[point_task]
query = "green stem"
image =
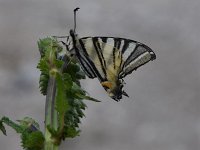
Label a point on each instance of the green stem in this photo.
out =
(51, 116)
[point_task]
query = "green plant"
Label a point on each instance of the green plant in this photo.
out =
(60, 83)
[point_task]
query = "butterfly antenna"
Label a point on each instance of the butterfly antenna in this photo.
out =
(75, 10)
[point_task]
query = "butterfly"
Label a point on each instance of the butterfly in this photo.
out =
(109, 59)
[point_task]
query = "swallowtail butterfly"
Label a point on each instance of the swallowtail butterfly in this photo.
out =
(109, 59)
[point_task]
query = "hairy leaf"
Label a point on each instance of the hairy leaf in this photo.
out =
(32, 140)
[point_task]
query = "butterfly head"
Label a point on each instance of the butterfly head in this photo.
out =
(74, 37)
(114, 89)
(72, 34)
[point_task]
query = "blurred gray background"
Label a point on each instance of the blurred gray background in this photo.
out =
(162, 112)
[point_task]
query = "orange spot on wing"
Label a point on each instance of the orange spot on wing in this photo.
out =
(107, 84)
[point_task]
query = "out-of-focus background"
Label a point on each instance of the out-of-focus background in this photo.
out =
(163, 111)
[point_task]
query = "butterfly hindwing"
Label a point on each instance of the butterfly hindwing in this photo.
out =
(135, 55)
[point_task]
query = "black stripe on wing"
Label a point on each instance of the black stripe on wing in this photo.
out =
(117, 44)
(89, 65)
(126, 45)
(98, 49)
(86, 66)
(141, 55)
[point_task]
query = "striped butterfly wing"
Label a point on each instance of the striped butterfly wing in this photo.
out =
(105, 59)
(113, 57)
(135, 54)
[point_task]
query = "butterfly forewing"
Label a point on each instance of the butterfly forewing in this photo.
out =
(104, 54)
(93, 54)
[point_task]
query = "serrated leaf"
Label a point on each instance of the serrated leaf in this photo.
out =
(46, 43)
(16, 127)
(44, 76)
(87, 97)
(73, 67)
(73, 70)
(33, 140)
(43, 66)
(67, 81)
(58, 63)
(80, 75)
(80, 104)
(77, 89)
(42, 44)
(43, 83)
(71, 132)
(2, 128)
(80, 113)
